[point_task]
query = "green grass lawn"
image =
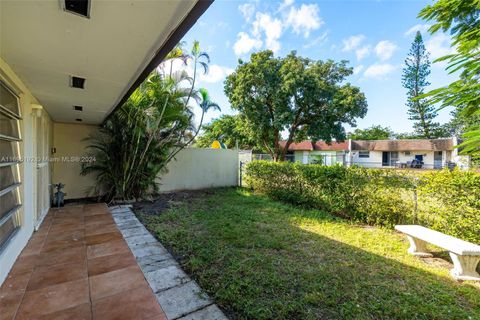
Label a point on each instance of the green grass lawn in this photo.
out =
(262, 259)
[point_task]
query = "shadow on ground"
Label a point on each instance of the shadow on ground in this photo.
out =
(261, 259)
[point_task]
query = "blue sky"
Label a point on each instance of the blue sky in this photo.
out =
(375, 36)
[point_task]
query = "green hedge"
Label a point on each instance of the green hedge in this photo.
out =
(448, 201)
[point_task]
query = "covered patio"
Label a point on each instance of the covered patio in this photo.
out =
(78, 266)
(65, 66)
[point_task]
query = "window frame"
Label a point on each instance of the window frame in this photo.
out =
(364, 154)
(11, 214)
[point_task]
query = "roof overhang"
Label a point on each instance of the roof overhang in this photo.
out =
(114, 49)
(403, 145)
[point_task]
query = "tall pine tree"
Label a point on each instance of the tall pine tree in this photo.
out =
(414, 79)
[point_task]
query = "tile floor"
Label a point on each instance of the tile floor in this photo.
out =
(78, 266)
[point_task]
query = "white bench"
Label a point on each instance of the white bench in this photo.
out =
(465, 255)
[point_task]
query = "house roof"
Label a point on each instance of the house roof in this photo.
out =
(333, 146)
(308, 145)
(403, 145)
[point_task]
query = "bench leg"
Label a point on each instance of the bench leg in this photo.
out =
(464, 267)
(418, 247)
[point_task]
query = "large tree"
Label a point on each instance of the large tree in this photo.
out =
(298, 96)
(231, 130)
(414, 79)
(462, 20)
(372, 133)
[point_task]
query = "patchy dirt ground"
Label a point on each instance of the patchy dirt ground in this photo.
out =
(164, 201)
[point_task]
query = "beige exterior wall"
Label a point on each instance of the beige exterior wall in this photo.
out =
(200, 168)
(68, 141)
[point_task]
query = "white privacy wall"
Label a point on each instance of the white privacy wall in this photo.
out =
(195, 168)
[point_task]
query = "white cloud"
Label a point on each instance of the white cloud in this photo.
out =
(245, 43)
(379, 70)
(439, 46)
(271, 27)
(285, 4)
(362, 52)
(304, 19)
(423, 28)
(353, 42)
(247, 10)
(317, 41)
(215, 73)
(385, 49)
(358, 69)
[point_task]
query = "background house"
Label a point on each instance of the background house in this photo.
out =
(434, 153)
(318, 152)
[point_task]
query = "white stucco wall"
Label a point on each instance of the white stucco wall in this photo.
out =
(196, 168)
(375, 159)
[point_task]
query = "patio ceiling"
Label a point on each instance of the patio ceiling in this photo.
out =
(114, 49)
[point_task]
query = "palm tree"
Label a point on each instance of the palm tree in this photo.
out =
(200, 58)
(206, 104)
(135, 144)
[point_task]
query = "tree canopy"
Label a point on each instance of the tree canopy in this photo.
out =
(462, 20)
(231, 130)
(414, 79)
(302, 97)
(375, 132)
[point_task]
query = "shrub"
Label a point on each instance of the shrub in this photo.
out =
(448, 201)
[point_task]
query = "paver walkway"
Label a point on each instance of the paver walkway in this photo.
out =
(77, 266)
(179, 296)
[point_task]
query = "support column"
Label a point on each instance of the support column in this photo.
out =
(464, 267)
(418, 247)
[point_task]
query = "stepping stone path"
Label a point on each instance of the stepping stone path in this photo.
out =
(179, 296)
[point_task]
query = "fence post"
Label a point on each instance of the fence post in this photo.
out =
(241, 173)
(415, 200)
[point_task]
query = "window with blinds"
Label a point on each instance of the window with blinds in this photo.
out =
(9, 161)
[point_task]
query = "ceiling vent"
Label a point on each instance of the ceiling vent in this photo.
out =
(80, 7)
(78, 108)
(77, 82)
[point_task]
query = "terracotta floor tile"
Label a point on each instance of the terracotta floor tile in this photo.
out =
(80, 312)
(102, 238)
(55, 274)
(110, 283)
(24, 264)
(32, 248)
(99, 224)
(9, 305)
(75, 254)
(38, 237)
(75, 234)
(15, 284)
(110, 263)
(67, 221)
(50, 279)
(93, 230)
(66, 227)
(96, 208)
(62, 244)
(135, 304)
(107, 248)
(54, 298)
(99, 218)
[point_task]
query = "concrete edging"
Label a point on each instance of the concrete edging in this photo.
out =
(179, 296)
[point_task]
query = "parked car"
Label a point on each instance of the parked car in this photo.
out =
(415, 163)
